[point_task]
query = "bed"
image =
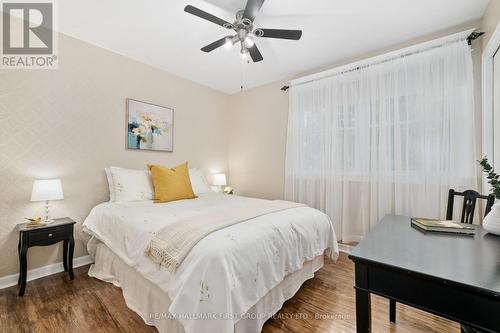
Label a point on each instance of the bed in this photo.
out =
(233, 280)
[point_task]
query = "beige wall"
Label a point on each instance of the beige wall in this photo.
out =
(70, 123)
(490, 20)
(257, 139)
(258, 124)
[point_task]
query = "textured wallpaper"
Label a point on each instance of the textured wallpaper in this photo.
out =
(70, 123)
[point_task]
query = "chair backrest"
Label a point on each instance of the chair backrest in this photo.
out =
(470, 198)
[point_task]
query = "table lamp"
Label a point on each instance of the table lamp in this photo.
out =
(47, 190)
(219, 180)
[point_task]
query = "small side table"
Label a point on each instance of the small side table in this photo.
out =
(59, 230)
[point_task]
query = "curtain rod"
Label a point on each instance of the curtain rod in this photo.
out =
(471, 37)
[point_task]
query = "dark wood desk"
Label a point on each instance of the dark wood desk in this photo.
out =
(453, 276)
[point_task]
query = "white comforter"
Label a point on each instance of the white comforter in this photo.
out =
(228, 271)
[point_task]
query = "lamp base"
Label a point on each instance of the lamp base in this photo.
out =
(216, 188)
(47, 221)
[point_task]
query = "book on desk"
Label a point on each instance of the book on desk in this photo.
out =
(443, 226)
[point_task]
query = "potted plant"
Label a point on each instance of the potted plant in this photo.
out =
(491, 222)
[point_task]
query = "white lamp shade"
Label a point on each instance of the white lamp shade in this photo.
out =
(47, 189)
(219, 179)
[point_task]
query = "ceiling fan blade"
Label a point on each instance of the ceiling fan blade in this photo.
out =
(255, 53)
(252, 8)
(206, 16)
(279, 33)
(214, 45)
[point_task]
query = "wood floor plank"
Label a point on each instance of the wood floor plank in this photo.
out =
(323, 304)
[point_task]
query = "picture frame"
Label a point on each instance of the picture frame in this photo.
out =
(150, 127)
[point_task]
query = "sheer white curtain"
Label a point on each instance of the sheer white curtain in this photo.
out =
(389, 138)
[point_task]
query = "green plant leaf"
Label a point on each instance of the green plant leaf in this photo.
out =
(492, 176)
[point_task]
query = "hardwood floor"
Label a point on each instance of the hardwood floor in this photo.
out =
(323, 304)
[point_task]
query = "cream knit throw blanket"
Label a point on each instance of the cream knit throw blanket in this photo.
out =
(172, 244)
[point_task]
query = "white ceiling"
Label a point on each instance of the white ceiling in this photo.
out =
(160, 33)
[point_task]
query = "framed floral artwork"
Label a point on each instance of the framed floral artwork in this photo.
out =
(149, 126)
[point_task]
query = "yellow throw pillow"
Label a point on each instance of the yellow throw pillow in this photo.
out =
(171, 184)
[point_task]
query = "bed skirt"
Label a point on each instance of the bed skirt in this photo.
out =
(152, 303)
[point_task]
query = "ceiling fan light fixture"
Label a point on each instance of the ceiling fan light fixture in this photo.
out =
(243, 26)
(249, 41)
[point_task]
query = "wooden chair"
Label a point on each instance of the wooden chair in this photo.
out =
(469, 205)
(468, 208)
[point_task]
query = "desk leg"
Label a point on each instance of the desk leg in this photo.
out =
(65, 255)
(392, 310)
(71, 244)
(23, 269)
(363, 300)
(19, 257)
(363, 312)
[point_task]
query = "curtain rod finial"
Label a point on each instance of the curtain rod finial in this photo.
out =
(284, 88)
(473, 36)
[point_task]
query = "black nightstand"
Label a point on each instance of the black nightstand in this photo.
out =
(60, 230)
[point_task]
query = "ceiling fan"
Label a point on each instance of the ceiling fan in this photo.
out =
(245, 32)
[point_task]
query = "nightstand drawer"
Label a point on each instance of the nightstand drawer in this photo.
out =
(49, 236)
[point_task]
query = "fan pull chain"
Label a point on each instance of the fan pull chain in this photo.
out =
(241, 77)
(242, 73)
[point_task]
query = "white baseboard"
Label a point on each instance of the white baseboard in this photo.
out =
(345, 248)
(36, 273)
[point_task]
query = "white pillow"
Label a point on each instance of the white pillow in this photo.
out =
(111, 186)
(132, 185)
(198, 181)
